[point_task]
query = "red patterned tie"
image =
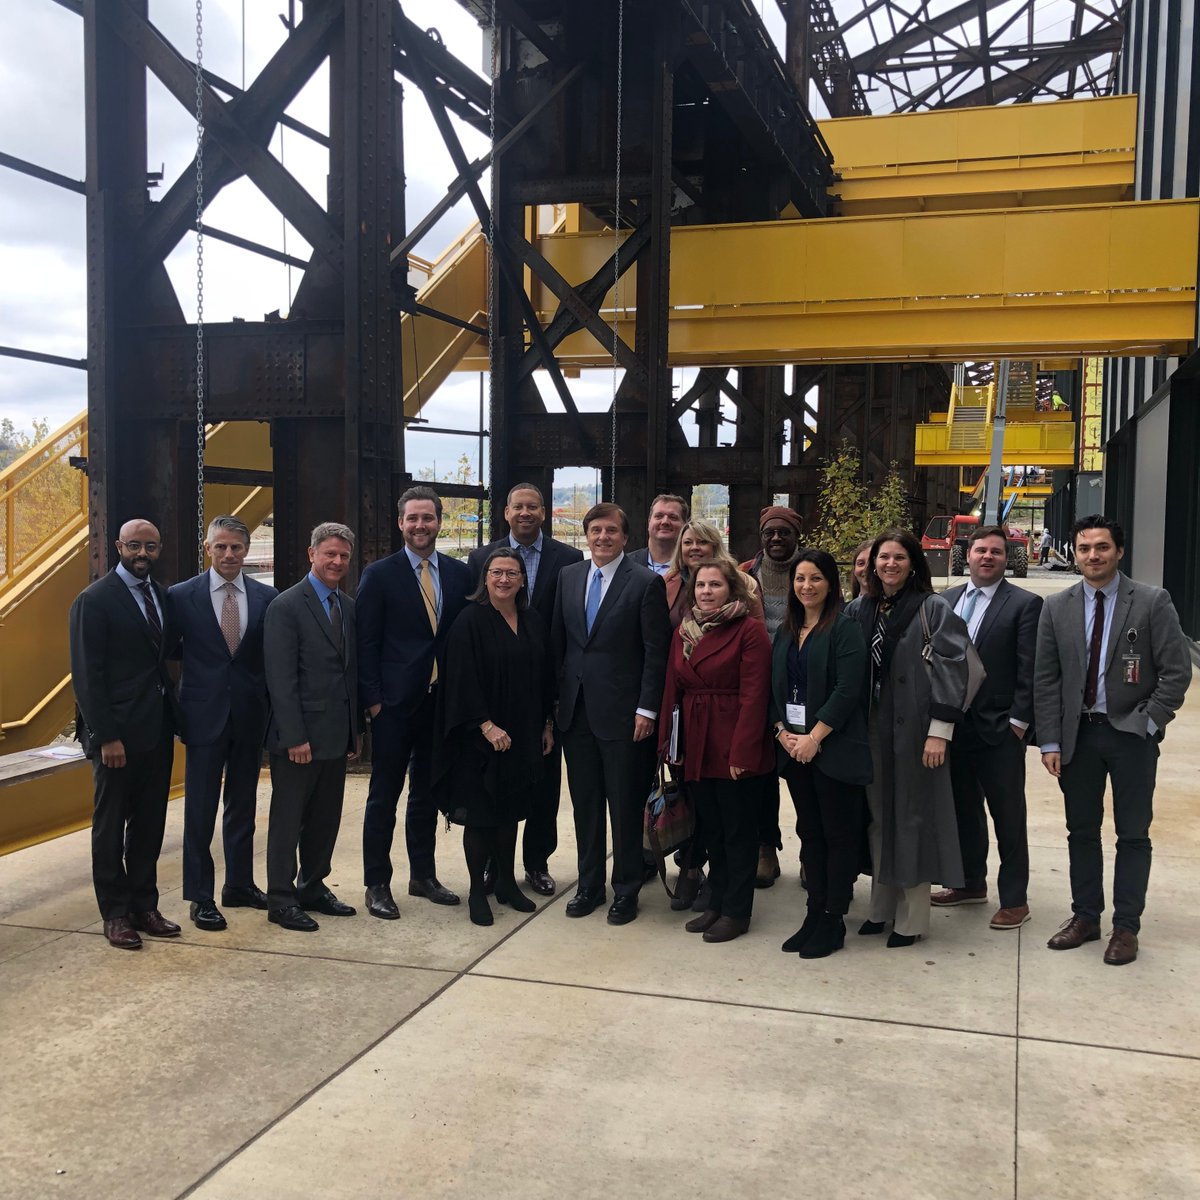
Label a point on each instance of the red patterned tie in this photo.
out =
(1093, 671)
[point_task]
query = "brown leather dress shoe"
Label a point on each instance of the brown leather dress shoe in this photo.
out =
(705, 921)
(154, 923)
(768, 867)
(1010, 918)
(120, 933)
(1122, 947)
(949, 897)
(1074, 933)
(726, 929)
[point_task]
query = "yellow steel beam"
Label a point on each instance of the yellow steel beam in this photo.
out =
(1026, 443)
(1064, 152)
(1115, 279)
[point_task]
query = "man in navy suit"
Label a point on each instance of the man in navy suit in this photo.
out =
(544, 558)
(668, 516)
(126, 719)
(219, 617)
(987, 755)
(611, 634)
(406, 604)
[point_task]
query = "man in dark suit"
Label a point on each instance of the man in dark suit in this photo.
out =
(219, 616)
(544, 558)
(668, 515)
(611, 634)
(312, 681)
(1111, 671)
(987, 755)
(126, 719)
(406, 605)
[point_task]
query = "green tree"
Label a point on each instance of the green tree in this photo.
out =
(847, 512)
(889, 505)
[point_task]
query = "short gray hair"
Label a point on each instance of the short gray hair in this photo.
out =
(230, 525)
(331, 529)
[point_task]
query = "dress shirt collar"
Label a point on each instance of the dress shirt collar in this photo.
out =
(986, 593)
(323, 590)
(216, 582)
(129, 579)
(1109, 589)
(415, 561)
(609, 569)
(517, 546)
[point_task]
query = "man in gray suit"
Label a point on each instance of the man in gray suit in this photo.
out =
(309, 651)
(668, 515)
(1112, 668)
(611, 632)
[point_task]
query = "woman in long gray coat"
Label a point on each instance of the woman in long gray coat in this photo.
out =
(914, 701)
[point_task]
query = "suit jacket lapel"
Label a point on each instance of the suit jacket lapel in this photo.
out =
(321, 616)
(202, 599)
(1122, 603)
(998, 601)
(616, 586)
(135, 604)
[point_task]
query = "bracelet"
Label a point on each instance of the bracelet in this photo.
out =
(487, 728)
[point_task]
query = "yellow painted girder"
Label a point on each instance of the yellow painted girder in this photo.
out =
(1116, 279)
(1062, 152)
(1026, 444)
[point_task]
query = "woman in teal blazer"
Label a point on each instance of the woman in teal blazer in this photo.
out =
(818, 672)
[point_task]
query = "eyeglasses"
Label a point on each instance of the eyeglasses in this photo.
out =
(769, 535)
(494, 573)
(138, 547)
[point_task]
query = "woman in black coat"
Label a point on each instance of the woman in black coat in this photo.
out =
(818, 672)
(494, 724)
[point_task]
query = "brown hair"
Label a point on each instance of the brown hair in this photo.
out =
(920, 578)
(601, 511)
(985, 531)
(669, 498)
(701, 531)
(480, 594)
(824, 562)
(729, 572)
(856, 588)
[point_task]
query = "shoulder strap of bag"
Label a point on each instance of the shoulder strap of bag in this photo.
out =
(927, 649)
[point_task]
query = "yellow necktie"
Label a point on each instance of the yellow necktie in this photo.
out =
(430, 608)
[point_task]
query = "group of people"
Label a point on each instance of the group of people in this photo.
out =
(894, 720)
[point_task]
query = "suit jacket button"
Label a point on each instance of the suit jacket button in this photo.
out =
(899, 720)
(900, 679)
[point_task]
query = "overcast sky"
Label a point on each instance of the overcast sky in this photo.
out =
(42, 269)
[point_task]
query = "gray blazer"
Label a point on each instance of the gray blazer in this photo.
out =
(622, 665)
(1060, 671)
(313, 686)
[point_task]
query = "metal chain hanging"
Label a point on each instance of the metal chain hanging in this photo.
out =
(200, 286)
(612, 433)
(491, 259)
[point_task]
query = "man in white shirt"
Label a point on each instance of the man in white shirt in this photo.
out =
(219, 617)
(987, 755)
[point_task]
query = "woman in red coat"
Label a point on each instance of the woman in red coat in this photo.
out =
(719, 674)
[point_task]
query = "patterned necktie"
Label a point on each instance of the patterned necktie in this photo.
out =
(231, 625)
(152, 618)
(430, 609)
(593, 599)
(969, 607)
(335, 618)
(1093, 670)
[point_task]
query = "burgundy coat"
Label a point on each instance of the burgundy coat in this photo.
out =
(723, 692)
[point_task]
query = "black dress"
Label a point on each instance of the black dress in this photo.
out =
(492, 674)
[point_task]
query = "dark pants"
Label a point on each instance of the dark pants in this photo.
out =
(240, 758)
(728, 809)
(1130, 764)
(401, 743)
(541, 825)
(767, 793)
(129, 816)
(306, 811)
(607, 774)
(997, 774)
(830, 822)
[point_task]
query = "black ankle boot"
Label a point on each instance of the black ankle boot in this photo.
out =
(828, 936)
(902, 939)
(508, 893)
(869, 927)
(800, 938)
(479, 908)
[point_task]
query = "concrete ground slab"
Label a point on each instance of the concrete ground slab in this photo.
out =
(1106, 1125)
(502, 1091)
(134, 1073)
(15, 941)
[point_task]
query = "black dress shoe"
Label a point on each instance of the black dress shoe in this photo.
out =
(585, 901)
(292, 917)
(154, 923)
(247, 897)
(624, 909)
(431, 890)
(325, 902)
(380, 903)
(541, 882)
(206, 915)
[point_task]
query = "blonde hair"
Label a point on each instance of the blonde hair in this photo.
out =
(710, 535)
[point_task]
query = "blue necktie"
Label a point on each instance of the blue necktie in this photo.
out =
(969, 607)
(593, 599)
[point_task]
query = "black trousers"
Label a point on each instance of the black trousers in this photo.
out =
(306, 811)
(239, 758)
(541, 825)
(1130, 764)
(401, 744)
(979, 772)
(128, 818)
(830, 820)
(767, 791)
(729, 811)
(613, 776)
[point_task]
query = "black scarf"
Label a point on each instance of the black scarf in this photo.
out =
(898, 611)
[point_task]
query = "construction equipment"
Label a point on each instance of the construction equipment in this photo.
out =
(949, 534)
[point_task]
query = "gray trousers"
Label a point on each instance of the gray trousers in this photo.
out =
(306, 812)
